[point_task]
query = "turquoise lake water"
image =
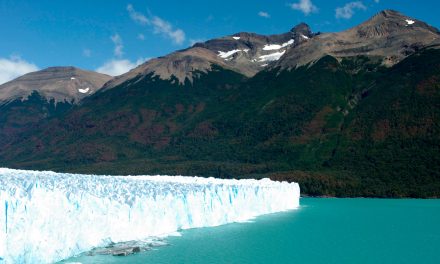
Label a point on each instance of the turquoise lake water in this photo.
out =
(320, 231)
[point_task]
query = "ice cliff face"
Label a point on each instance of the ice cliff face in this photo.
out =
(46, 216)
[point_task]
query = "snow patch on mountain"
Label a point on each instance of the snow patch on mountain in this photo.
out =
(410, 22)
(273, 56)
(226, 54)
(278, 46)
(84, 90)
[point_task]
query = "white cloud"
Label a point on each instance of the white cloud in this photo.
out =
(264, 14)
(141, 36)
(87, 53)
(117, 40)
(14, 67)
(377, 1)
(136, 16)
(305, 6)
(160, 26)
(348, 10)
(117, 67)
(163, 27)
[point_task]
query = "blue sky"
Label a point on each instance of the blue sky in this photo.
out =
(114, 35)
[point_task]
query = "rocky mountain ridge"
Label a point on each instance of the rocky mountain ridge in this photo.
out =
(388, 37)
(245, 53)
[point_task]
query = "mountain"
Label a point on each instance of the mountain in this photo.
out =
(62, 84)
(331, 111)
(389, 36)
(244, 53)
(34, 97)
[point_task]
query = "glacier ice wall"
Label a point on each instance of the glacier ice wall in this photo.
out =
(47, 216)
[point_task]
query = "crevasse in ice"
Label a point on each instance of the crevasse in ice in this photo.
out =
(47, 216)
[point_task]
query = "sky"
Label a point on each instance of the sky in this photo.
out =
(113, 36)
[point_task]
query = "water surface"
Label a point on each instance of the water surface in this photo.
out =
(321, 231)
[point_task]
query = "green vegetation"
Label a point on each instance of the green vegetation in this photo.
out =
(339, 128)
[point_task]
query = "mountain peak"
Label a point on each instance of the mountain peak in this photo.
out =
(390, 13)
(389, 35)
(245, 53)
(386, 16)
(387, 20)
(60, 68)
(58, 83)
(301, 32)
(391, 22)
(301, 28)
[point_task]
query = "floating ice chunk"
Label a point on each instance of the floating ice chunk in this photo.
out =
(236, 38)
(410, 22)
(46, 216)
(273, 56)
(277, 46)
(84, 90)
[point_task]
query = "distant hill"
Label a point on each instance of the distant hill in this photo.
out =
(61, 84)
(28, 101)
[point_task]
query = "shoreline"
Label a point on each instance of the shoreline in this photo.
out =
(367, 197)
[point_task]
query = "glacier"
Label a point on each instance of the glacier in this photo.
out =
(47, 217)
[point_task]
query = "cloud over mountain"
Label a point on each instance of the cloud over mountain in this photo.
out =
(348, 10)
(14, 67)
(116, 67)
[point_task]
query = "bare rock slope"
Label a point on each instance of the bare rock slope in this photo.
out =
(58, 83)
(245, 53)
(390, 36)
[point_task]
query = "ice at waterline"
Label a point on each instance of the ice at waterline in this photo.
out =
(47, 216)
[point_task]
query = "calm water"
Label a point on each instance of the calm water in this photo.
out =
(321, 231)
